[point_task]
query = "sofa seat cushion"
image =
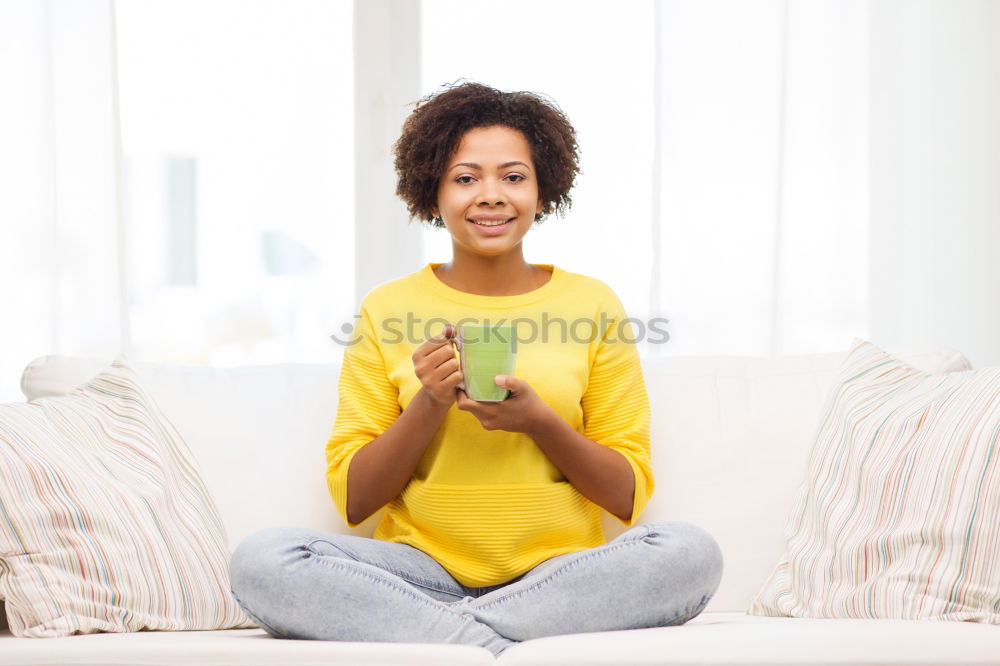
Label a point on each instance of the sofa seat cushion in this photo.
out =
(711, 639)
(736, 639)
(233, 647)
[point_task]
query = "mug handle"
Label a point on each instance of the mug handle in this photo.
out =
(456, 345)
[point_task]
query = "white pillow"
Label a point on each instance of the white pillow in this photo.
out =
(899, 516)
(105, 524)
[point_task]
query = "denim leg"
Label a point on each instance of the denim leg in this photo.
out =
(299, 583)
(653, 575)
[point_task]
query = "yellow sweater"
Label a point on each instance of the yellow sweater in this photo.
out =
(489, 505)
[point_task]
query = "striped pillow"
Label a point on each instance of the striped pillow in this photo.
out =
(105, 524)
(899, 516)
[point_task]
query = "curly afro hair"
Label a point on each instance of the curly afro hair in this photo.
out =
(432, 132)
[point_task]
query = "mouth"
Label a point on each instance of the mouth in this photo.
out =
(491, 221)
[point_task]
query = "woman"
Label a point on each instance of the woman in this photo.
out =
(492, 531)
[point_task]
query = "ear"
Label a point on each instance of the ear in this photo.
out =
(539, 207)
(435, 212)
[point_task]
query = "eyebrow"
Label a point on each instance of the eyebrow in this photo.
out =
(505, 165)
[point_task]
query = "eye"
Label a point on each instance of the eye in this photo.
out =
(464, 180)
(515, 178)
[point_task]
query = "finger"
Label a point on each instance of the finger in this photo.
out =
(445, 352)
(465, 402)
(446, 334)
(447, 372)
(442, 359)
(435, 343)
(435, 368)
(514, 384)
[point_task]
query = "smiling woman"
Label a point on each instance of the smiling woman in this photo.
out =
(493, 509)
(487, 168)
(488, 200)
(425, 151)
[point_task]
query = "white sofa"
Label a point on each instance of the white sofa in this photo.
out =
(730, 440)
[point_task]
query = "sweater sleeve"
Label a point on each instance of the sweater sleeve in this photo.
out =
(616, 406)
(368, 404)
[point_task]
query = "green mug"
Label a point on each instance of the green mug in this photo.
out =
(485, 351)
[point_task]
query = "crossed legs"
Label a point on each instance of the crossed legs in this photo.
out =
(299, 583)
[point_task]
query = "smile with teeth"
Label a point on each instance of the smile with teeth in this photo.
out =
(491, 223)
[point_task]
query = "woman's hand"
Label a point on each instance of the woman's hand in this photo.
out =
(600, 473)
(522, 411)
(437, 368)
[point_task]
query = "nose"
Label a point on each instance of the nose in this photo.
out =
(490, 194)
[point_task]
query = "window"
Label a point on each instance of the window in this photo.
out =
(237, 134)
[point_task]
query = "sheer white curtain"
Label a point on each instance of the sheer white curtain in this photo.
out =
(724, 150)
(177, 180)
(935, 165)
(237, 137)
(762, 197)
(61, 286)
(724, 182)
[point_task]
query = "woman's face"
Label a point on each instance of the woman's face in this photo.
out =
(488, 194)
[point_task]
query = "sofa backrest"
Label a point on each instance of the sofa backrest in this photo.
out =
(730, 443)
(730, 440)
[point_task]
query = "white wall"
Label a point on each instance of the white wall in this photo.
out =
(935, 175)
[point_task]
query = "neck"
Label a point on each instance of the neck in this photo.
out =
(503, 275)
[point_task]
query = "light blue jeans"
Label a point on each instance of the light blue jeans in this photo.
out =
(300, 583)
